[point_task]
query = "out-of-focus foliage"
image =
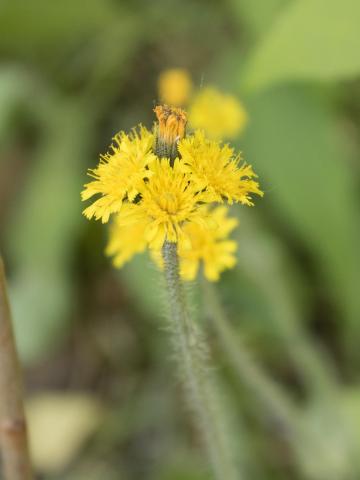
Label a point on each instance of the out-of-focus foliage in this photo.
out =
(59, 424)
(257, 16)
(72, 74)
(313, 39)
(305, 162)
(43, 295)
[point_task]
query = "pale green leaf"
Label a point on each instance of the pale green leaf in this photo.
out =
(301, 156)
(23, 27)
(311, 39)
(44, 227)
(257, 15)
(59, 425)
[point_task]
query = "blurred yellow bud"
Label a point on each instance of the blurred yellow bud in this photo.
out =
(175, 87)
(219, 115)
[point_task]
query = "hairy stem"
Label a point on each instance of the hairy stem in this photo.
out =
(13, 436)
(192, 356)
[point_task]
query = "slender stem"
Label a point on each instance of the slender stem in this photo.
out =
(309, 449)
(266, 391)
(192, 355)
(311, 362)
(13, 436)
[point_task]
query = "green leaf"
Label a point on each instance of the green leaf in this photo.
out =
(40, 304)
(300, 154)
(257, 15)
(327, 447)
(311, 39)
(23, 28)
(44, 229)
(16, 96)
(145, 283)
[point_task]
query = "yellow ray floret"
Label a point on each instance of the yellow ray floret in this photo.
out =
(209, 246)
(220, 115)
(169, 200)
(216, 170)
(118, 173)
(126, 238)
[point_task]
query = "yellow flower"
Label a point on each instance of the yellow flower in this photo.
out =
(220, 115)
(169, 200)
(174, 86)
(118, 173)
(216, 170)
(159, 185)
(126, 238)
(209, 246)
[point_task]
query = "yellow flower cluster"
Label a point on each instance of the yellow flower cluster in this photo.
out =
(160, 198)
(207, 245)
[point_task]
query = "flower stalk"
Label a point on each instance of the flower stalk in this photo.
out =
(192, 356)
(13, 437)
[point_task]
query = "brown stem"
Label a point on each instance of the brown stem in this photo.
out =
(13, 435)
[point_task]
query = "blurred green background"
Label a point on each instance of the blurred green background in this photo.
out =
(104, 402)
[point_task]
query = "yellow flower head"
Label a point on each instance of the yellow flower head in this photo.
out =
(118, 173)
(160, 184)
(169, 200)
(174, 86)
(209, 246)
(220, 115)
(216, 170)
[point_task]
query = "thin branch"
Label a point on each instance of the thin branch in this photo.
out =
(13, 435)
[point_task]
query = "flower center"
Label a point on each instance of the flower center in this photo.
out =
(168, 203)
